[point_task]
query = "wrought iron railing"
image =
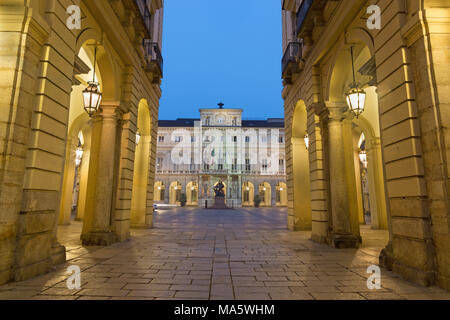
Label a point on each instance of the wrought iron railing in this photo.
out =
(293, 53)
(302, 13)
(153, 54)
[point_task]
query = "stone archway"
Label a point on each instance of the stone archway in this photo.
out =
(281, 194)
(265, 194)
(175, 191)
(159, 191)
(140, 214)
(300, 217)
(248, 194)
(192, 193)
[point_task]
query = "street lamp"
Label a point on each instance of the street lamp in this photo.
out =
(92, 95)
(363, 158)
(356, 96)
(78, 155)
(138, 137)
(306, 138)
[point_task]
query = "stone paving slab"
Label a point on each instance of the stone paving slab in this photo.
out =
(219, 255)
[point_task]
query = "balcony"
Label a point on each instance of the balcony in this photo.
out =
(302, 13)
(154, 60)
(145, 16)
(291, 59)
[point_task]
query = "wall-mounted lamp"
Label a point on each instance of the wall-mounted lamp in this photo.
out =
(138, 137)
(363, 158)
(306, 138)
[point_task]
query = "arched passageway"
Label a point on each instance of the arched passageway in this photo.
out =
(159, 191)
(141, 209)
(175, 191)
(354, 149)
(299, 211)
(192, 193)
(265, 194)
(248, 194)
(281, 194)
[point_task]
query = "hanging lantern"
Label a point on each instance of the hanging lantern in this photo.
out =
(78, 155)
(363, 158)
(306, 138)
(138, 137)
(355, 96)
(92, 95)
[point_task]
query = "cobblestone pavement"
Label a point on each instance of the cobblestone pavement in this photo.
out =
(219, 254)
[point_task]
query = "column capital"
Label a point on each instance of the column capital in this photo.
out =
(110, 109)
(337, 111)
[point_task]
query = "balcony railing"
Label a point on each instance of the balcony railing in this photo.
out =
(302, 13)
(291, 58)
(145, 15)
(153, 57)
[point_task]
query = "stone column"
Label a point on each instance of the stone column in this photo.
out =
(97, 229)
(377, 197)
(341, 234)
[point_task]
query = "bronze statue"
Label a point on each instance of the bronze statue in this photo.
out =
(218, 189)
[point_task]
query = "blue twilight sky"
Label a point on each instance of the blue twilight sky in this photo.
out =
(222, 50)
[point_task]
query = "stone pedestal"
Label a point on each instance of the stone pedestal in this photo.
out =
(219, 203)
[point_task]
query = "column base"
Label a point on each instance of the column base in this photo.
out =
(342, 241)
(386, 258)
(98, 238)
(141, 226)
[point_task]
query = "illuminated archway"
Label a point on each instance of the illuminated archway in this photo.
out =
(192, 193)
(175, 191)
(140, 212)
(300, 210)
(248, 194)
(265, 194)
(281, 194)
(159, 191)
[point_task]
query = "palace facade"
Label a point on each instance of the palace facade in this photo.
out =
(248, 156)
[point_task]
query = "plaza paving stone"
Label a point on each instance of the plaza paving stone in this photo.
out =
(195, 253)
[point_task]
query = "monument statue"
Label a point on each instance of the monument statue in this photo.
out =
(218, 189)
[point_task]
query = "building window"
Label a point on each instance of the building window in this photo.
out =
(205, 167)
(234, 122)
(178, 139)
(247, 164)
(234, 165)
(263, 138)
(220, 167)
(192, 138)
(281, 162)
(234, 138)
(159, 163)
(281, 139)
(264, 165)
(161, 139)
(247, 139)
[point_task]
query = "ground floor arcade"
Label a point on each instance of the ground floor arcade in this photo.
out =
(240, 190)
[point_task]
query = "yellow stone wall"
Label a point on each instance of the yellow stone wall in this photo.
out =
(37, 56)
(411, 149)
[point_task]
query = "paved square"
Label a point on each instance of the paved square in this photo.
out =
(219, 254)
